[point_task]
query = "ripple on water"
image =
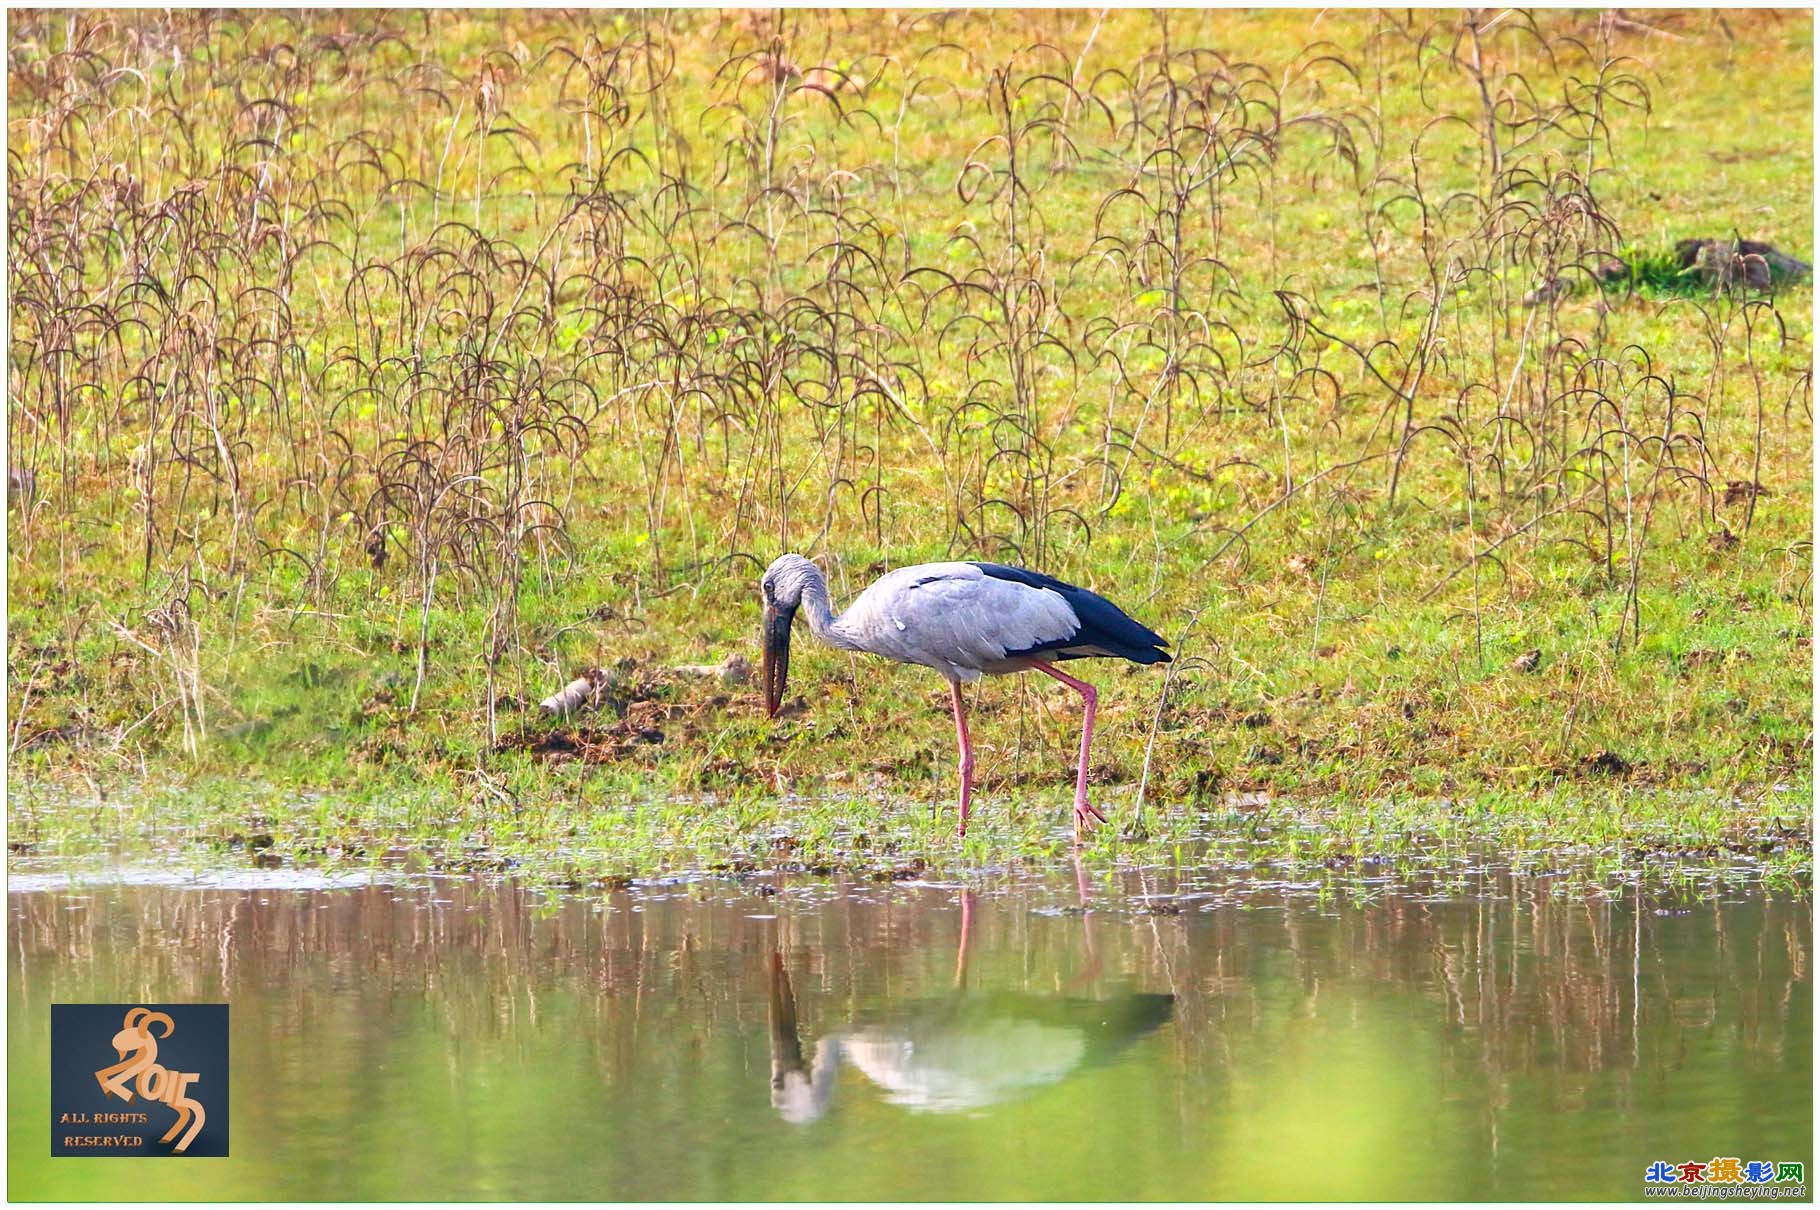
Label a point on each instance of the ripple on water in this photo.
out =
(199, 880)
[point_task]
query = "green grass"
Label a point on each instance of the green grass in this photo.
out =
(587, 464)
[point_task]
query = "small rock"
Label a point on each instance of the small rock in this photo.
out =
(1727, 263)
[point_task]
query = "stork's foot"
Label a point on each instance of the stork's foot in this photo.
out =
(1084, 814)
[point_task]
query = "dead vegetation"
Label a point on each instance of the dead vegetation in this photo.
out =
(481, 356)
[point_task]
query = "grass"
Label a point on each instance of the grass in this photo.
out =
(348, 439)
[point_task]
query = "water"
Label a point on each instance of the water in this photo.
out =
(1480, 1037)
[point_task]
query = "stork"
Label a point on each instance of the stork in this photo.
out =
(959, 1052)
(965, 620)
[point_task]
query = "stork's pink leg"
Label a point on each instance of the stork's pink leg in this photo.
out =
(1091, 971)
(1090, 698)
(960, 729)
(960, 959)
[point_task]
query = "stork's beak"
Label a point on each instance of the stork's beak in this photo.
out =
(777, 656)
(786, 1045)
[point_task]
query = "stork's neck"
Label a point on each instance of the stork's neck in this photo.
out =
(820, 613)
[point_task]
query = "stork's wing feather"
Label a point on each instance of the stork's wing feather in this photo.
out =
(955, 618)
(1105, 629)
(964, 618)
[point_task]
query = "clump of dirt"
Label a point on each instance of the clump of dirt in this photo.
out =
(1738, 491)
(591, 745)
(914, 868)
(1607, 764)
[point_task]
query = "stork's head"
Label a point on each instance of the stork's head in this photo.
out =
(782, 589)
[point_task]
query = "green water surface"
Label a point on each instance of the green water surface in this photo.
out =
(813, 1039)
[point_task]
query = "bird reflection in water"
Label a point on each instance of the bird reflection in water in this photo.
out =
(960, 1053)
